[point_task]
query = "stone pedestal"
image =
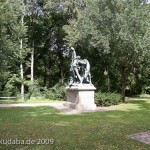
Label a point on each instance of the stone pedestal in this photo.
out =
(81, 97)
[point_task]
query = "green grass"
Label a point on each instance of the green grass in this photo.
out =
(86, 131)
(143, 96)
(33, 100)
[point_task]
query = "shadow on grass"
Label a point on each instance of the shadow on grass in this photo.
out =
(96, 130)
(129, 106)
(127, 109)
(142, 104)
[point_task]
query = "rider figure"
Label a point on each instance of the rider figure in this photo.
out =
(75, 66)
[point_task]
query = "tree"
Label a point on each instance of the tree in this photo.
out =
(120, 28)
(21, 35)
(32, 12)
(12, 35)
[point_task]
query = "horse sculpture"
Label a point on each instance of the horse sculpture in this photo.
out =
(80, 70)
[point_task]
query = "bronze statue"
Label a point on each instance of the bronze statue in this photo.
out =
(80, 69)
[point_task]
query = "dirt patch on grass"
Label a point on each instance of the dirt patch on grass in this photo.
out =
(142, 137)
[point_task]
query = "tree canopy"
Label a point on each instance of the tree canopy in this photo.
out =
(113, 35)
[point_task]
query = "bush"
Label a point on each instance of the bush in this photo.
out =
(49, 94)
(10, 89)
(147, 90)
(107, 99)
(57, 92)
(34, 88)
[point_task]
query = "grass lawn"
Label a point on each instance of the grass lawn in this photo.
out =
(86, 131)
(33, 100)
(143, 96)
(147, 96)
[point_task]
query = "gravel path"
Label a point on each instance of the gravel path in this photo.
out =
(58, 106)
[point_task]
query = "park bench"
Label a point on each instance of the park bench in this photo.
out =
(8, 97)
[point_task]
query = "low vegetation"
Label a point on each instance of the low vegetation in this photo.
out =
(107, 99)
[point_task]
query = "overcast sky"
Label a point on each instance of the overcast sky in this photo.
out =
(148, 1)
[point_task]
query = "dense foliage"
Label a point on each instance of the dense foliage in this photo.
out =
(118, 32)
(34, 34)
(107, 99)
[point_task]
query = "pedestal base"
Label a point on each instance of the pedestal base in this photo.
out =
(81, 97)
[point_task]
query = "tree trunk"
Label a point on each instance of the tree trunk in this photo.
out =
(49, 80)
(123, 82)
(21, 65)
(32, 63)
(22, 84)
(61, 69)
(62, 75)
(45, 74)
(108, 82)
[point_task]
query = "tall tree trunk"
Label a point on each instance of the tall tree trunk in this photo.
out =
(45, 74)
(62, 75)
(123, 83)
(61, 69)
(108, 82)
(22, 84)
(21, 65)
(49, 70)
(32, 63)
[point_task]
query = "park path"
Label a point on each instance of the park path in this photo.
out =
(59, 106)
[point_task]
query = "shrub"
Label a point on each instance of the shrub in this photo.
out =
(34, 88)
(10, 89)
(49, 94)
(59, 91)
(107, 99)
(147, 90)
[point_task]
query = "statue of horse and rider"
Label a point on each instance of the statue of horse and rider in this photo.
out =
(80, 69)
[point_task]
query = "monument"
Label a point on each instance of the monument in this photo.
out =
(80, 91)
